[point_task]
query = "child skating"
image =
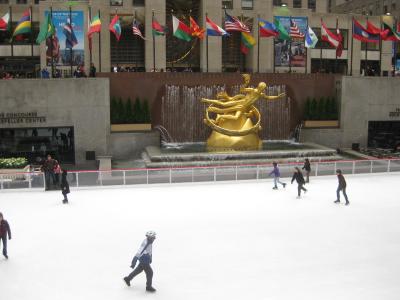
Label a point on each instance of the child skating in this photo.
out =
(144, 255)
(4, 233)
(307, 168)
(298, 176)
(277, 175)
(341, 187)
(64, 186)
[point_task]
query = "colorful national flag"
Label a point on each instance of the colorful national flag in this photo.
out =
(283, 34)
(115, 27)
(247, 42)
(180, 30)
(339, 49)
(295, 32)
(234, 24)
(24, 24)
(47, 29)
(360, 33)
(136, 30)
(94, 26)
(157, 28)
(390, 34)
(213, 29)
(70, 38)
(195, 29)
(330, 37)
(4, 22)
(371, 28)
(311, 38)
(267, 29)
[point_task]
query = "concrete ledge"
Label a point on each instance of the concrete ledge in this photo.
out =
(130, 127)
(321, 124)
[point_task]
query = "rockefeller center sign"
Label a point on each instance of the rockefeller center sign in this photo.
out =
(21, 118)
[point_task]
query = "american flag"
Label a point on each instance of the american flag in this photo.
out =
(233, 24)
(136, 30)
(295, 31)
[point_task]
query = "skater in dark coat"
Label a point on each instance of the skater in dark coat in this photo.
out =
(64, 186)
(4, 232)
(307, 168)
(298, 176)
(144, 255)
(342, 187)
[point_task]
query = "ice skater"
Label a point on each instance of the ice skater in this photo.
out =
(277, 175)
(342, 187)
(144, 255)
(64, 186)
(307, 167)
(4, 232)
(298, 176)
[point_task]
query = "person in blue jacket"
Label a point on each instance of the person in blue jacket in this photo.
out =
(144, 256)
(277, 175)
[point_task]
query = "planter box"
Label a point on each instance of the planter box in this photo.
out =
(130, 127)
(321, 124)
(13, 174)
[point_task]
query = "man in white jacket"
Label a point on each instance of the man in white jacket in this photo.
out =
(144, 255)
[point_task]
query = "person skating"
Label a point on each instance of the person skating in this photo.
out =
(4, 232)
(277, 175)
(144, 255)
(64, 186)
(342, 187)
(307, 167)
(298, 176)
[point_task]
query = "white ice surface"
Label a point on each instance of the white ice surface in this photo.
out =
(215, 241)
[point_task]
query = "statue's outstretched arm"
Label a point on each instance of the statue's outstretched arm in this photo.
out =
(272, 97)
(219, 103)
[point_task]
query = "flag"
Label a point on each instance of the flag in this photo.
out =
(328, 36)
(180, 30)
(4, 22)
(311, 38)
(389, 34)
(195, 30)
(267, 29)
(371, 28)
(247, 42)
(360, 33)
(213, 29)
(70, 38)
(233, 24)
(339, 49)
(295, 31)
(115, 27)
(47, 29)
(157, 28)
(94, 26)
(283, 34)
(24, 24)
(136, 30)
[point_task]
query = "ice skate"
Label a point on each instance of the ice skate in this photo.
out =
(6, 256)
(298, 197)
(347, 203)
(284, 185)
(275, 188)
(127, 281)
(150, 289)
(337, 201)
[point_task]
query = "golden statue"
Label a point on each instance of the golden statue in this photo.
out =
(233, 127)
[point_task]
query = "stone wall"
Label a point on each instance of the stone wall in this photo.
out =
(128, 145)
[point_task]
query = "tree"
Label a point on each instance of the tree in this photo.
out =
(321, 109)
(129, 117)
(113, 111)
(334, 109)
(146, 112)
(137, 111)
(307, 109)
(313, 109)
(120, 112)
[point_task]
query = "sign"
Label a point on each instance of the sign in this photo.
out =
(61, 55)
(298, 55)
(395, 114)
(21, 118)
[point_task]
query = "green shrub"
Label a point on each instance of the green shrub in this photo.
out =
(120, 112)
(313, 109)
(13, 162)
(137, 111)
(146, 112)
(334, 109)
(321, 113)
(113, 111)
(129, 117)
(307, 109)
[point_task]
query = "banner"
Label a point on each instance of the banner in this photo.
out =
(298, 50)
(61, 55)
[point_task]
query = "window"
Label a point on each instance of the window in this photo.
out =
(311, 4)
(247, 4)
(116, 2)
(385, 9)
(393, 6)
(227, 4)
(37, 1)
(22, 1)
(296, 3)
(277, 2)
(138, 2)
(3, 1)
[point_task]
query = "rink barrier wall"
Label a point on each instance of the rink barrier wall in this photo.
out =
(93, 178)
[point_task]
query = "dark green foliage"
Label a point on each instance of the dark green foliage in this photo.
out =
(307, 109)
(334, 109)
(129, 117)
(120, 112)
(321, 109)
(137, 111)
(146, 111)
(113, 111)
(314, 109)
(124, 113)
(324, 109)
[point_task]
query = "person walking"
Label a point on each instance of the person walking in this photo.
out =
(307, 167)
(4, 232)
(342, 187)
(64, 186)
(277, 175)
(144, 256)
(48, 169)
(298, 176)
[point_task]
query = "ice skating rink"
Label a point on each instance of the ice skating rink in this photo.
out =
(233, 240)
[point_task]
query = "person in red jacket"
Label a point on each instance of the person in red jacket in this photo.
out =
(4, 231)
(342, 187)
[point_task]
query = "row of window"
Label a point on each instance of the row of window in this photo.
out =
(311, 4)
(121, 2)
(19, 2)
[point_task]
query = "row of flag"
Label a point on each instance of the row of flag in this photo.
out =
(369, 33)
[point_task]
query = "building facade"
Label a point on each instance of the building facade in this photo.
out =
(166, 52)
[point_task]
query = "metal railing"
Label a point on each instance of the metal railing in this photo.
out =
(36, 180)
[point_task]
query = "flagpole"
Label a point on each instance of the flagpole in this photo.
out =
(366, 56)
(172, 61)
(134, 21)
(11, 31)
(30, 12)
(241, 60)
(320, 52)
(99, 43)
(90, 45)
(154, 43)
(51, 45)
(71, 50)
(206, 46)
(337, 26)
(306, 63)
(380, 47)
(258, 44)
(352, 44)
(396, 48)
(290, 46)
(117, 48)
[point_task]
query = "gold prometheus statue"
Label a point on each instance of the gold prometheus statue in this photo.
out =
(237, 120)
